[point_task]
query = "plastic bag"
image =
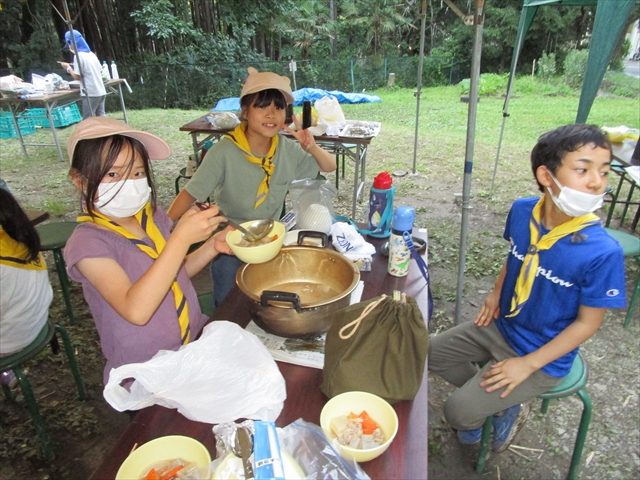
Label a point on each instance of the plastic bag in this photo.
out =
(312, 202)
(12, 87)
(224, 375)
(330, 115)
(619, 134)
(305, 451)
(309, 447)
(223, 120)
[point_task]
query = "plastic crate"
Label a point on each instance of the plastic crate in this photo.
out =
(62, 116)
(7, 130)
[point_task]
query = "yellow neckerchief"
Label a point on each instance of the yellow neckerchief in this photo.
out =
(145, 217)
(529, 268)
(15, 254)
(239, 139)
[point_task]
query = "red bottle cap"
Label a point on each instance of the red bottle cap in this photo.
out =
(383, 181)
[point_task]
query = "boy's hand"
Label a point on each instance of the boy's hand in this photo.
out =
(304, 137)
(508, 373)
(490, 309)
(219, 241)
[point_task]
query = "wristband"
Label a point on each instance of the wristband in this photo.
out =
(69, 70)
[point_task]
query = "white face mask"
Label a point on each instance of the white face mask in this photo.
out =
(573, 202)
(124, 198)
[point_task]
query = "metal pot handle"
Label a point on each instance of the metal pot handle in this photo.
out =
(268, 295)
(302, 234)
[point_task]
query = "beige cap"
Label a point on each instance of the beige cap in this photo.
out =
(258, 81)
(98, 127)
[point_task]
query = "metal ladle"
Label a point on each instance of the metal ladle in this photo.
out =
(254, 232)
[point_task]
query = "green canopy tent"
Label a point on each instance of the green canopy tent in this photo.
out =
(611, 16)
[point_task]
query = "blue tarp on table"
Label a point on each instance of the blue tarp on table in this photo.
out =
(301, 95)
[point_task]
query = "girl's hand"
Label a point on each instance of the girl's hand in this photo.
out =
(490, 309)
(508, 373)
(304, 137)
(197, 225)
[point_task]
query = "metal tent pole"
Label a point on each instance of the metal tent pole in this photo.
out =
(423, 16)
(525, 20)
(67, 19)
(478, 22)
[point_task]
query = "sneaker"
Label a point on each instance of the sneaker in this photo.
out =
(470, 437)
(507, 424)
(9, 379)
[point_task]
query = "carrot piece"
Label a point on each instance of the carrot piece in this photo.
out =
(152, 475)
(368, 424)
(171, 473)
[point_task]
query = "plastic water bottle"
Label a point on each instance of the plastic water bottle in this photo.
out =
(105, 71)
(399, 254)
(114, 70)
(381, 206)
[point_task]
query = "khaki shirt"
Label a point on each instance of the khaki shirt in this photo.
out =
(232, 181)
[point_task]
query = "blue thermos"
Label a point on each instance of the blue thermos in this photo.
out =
(381, 206)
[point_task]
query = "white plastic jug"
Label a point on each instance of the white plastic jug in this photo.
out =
(114, 71)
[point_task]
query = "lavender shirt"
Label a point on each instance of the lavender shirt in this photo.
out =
(123, 342)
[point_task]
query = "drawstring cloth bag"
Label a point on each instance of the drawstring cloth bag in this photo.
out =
(378, 346)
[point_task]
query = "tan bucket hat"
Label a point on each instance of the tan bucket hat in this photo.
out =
(258, 81)
(98, 127)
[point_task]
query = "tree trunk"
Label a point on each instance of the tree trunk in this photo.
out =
(27, 28)
(333, 12)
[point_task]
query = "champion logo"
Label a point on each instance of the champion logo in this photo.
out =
(614, 292)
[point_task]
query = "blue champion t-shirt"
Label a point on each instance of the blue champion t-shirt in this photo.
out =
(584, 268)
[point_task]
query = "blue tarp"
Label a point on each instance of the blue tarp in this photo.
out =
(311, 94)
(314, 94)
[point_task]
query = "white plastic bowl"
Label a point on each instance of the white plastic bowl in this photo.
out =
(378, 409)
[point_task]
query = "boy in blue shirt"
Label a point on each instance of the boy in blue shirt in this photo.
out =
(561, 274)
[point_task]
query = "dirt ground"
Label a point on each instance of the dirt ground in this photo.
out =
(82, 432)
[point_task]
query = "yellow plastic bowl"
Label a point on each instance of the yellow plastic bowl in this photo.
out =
(377, 408)
(261, 253)
(163, 448)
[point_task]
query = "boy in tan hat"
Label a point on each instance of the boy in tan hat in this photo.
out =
(249, 171)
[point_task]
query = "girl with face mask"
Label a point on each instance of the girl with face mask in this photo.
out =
(135, 275)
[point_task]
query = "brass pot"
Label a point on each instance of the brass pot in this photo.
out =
(296, 293)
